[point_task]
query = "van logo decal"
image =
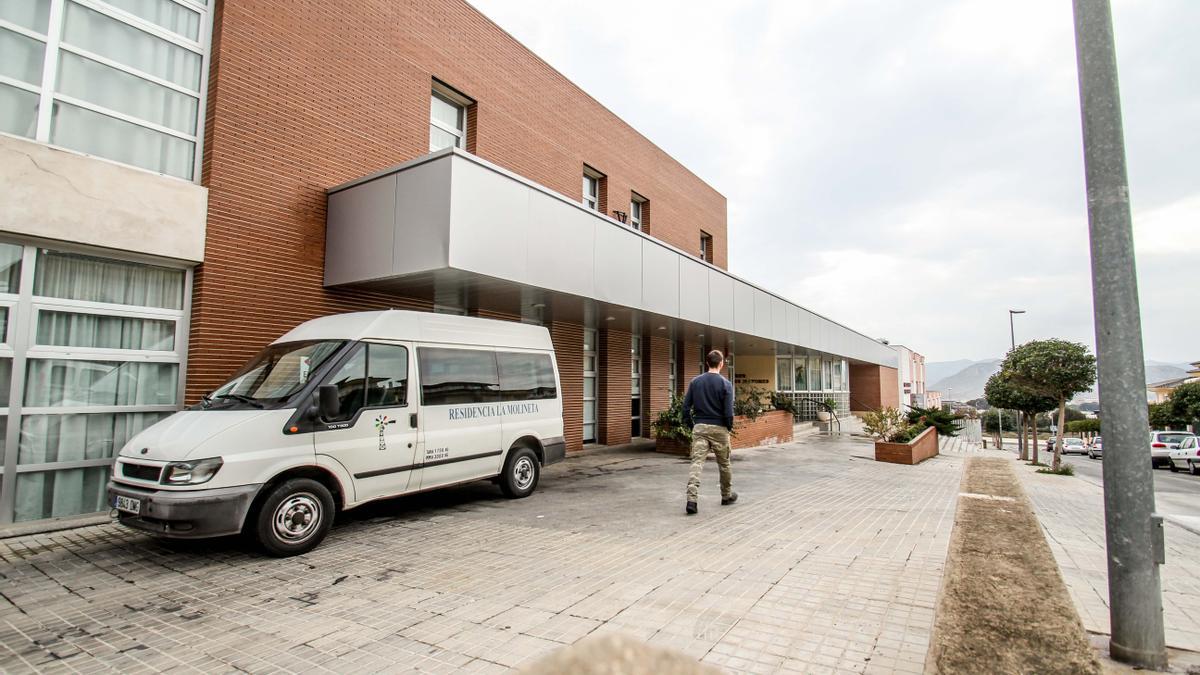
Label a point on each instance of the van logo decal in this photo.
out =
(381, 424)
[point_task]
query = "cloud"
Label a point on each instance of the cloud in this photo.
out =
(911, 169)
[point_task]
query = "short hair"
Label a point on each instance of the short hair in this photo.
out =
(714, 358)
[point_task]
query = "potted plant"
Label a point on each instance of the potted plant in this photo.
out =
(670, 433)
(899, 441)
(824, 410)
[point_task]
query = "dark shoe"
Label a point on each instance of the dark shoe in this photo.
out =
(726, 501)
(691, 508)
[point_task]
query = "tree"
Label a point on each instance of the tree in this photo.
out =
(1003, 392)
(934, 417)
(1185, 402)
(1075, 414)
(1162, 417)
(1057, 369)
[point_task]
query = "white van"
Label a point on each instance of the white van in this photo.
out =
(341, 411)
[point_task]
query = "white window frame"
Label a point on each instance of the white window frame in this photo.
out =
(636, 205)
(49, 96)
(591, 179)
(706, 243)
(593, 374)
(448, 95)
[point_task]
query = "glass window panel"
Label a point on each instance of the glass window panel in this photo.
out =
(783, 374)
(170, 15)
(60, 382)
(125, 142)
(18, 111)
(3, 324)
(589, 432)
(444, 112)
(635, 387)
(440, 138)
(387, 381)
(3, 436)
(80, 277)
(117, 90)
(130, 46)
(5, 381)
(589, 387)
(21, 57)
(350, 381)
(67, 492)
(278, 371)
(68, 329)
(450, 376)
(31, 14)
(589, 364)
(589, 340)
(589, 411)
(526, 377)
(10, 268)
(76, 437)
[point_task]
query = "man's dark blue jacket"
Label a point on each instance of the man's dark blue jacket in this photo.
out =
(709, 400)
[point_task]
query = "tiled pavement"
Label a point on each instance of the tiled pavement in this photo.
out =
(1072, 515)
(829, 563)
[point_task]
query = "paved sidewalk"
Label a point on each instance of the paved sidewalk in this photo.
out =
(1072, 514)
(829, 563)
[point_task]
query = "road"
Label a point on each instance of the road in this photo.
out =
(1177, 495)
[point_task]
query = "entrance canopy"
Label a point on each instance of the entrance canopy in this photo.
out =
(449, 221)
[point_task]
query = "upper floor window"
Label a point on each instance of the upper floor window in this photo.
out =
(592, 187)
(637, 212)
(447, 118)
(706, 246)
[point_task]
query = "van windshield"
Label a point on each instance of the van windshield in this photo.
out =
(278, 372)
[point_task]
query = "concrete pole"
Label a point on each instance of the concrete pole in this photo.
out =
(1134, 590)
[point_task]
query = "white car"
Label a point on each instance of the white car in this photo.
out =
(1075, 445)
(1096, 449)
(1161, 445)
(341, 411)
(1187, 456)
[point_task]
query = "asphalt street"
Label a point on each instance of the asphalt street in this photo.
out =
(1177, 494)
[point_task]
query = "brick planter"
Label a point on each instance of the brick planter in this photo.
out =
(918, 450)
(772, 427)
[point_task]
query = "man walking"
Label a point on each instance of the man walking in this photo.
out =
(708, 408)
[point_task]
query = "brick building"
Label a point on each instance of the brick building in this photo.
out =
(182, 181)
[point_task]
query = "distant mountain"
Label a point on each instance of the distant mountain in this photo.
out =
(967, 383)
(938, 370)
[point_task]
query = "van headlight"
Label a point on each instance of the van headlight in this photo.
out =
(194, 472)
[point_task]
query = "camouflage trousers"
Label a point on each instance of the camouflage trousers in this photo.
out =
(709, 438)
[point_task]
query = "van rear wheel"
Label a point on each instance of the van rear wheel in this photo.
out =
(294, 517)
(521, 473)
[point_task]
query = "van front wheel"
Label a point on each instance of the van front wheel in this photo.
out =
(294, 517)
(521, 473)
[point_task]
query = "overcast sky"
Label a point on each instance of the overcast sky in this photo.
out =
(912, 169)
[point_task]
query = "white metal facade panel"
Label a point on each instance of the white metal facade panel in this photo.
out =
(660, 279)
(561, 251)
(694, 291)
(779, 325)
(489, 221)
(618, 265)
(360, 230)
(720, 299)
(793, 325)
(762, 313)
(422, 239)
(743, 307)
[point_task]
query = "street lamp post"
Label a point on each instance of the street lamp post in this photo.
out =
(1133, 532)
(1012, 333)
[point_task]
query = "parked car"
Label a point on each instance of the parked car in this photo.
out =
(1161, 445)
(1076, 445)
(1187, 456)
(1096, 451)
(341, 411)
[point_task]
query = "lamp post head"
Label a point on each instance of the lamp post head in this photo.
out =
(1016, 311)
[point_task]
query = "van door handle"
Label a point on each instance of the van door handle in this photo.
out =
(412, 420)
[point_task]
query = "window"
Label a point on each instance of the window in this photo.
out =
(376, 376)
(455, 376)
(123, 80)
(279, 370)
(635, 388)
(526, 377)
(673, 366)
(593, 183)
(590, 356)
(706, 246)
(783, 374)
(447, 118)
(637, 212)
(800, 368)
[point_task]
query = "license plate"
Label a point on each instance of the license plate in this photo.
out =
(128, 504)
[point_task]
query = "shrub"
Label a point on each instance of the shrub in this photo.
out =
(1083, 427)
(933, 417)
(1063, 469)
(887, 425)
(669, 424)
(784, 402)
(749, 403)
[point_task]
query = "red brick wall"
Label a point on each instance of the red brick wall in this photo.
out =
(770, 428)
(873, 387)
(922, 448)
(326, 92)
(656, 384)
(614, 406)
(568, 352)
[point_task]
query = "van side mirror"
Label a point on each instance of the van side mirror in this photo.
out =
(328, 402)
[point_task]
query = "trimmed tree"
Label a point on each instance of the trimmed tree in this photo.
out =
(1185, 403)
(1001, 391)
(1057, 369)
